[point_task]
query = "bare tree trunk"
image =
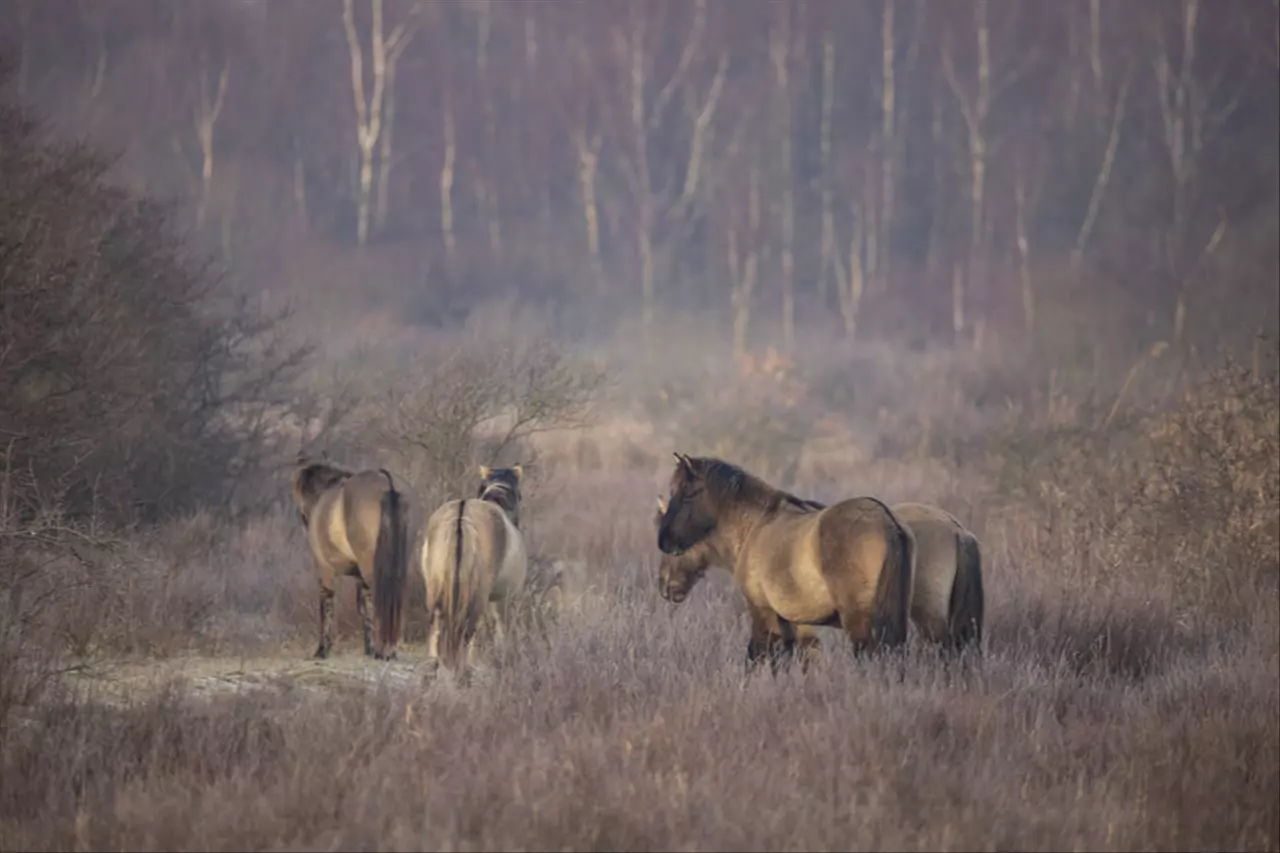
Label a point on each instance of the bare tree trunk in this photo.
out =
(1021, 203)
(446, 179)
(384, 53)
(828, 245)
(300, 188)
(975, 109)
(743, 273)
(588, 164)
(851, 284)
(644, 213)
(486, 185)
(780, 52)
(95, 79)
(206, 118)
(653, 207)
(383, 206)
(888, 149)
(1103, 178)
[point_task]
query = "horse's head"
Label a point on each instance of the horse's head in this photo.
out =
(502, 487)
(690, 516)
(678, 575)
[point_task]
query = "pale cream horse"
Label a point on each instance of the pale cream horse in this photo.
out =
(473, 559)
(947, 599)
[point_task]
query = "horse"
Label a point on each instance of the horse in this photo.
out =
(947, 594)
(355, 525)
(848, 565)
(473, 558)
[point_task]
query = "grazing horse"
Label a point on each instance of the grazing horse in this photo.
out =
(947, 596)
(355, 525)
(473, 557)
(848, 565)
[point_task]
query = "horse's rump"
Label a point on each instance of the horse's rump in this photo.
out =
(864, 531)
(355, 522)
(465, 548)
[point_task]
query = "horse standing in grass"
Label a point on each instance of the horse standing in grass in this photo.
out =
(355, 525)
(848, 565)
(947, 597)
(473, 558)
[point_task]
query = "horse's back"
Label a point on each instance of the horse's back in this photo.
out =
(361, 511)
(439, 543)
(802, 563)
(486, 538)
(862, 525)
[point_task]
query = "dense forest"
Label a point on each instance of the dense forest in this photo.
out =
(1083, 175)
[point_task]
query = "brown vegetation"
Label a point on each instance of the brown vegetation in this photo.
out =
(1038, 315)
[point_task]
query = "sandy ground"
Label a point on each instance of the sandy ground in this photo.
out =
(119, 682)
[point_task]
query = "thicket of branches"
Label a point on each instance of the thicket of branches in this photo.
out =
(133, 383)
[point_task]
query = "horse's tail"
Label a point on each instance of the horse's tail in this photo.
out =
(965, 611)
(459, 612)
(390, 566)
(893, 588)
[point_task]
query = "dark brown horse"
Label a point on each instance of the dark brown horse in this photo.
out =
(355, 525)
(848, 565)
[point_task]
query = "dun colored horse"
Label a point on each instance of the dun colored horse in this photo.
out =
(947, 595)
(848, 565)
(355, 525)
(473, 558)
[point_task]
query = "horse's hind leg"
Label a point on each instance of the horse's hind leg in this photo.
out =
(366, 614)
(326, 623)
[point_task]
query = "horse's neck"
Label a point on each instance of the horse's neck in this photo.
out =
(738, 523)
(512, 513)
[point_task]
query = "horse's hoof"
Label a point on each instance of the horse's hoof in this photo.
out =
(320, 654)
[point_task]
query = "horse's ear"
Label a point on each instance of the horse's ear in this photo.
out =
(662, 505)
(518, 468)
(484, 472)
(683, 461)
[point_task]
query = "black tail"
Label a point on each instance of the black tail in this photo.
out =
(893, 589)
(454, 628)
(965, 613)
(390, 567)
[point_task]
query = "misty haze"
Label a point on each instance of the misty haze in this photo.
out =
(640, 425)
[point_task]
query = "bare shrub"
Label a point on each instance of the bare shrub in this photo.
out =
(477, 405)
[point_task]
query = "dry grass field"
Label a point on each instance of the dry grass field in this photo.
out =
(1127, 699)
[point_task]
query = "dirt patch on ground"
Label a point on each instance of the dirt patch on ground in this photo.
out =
(124, 681)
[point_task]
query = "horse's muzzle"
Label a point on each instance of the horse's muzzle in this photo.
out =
(668, 545)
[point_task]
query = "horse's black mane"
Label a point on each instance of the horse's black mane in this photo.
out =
(314, 477)
(726, 480)
(502, 487)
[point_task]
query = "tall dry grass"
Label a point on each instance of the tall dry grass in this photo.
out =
(1127, 699)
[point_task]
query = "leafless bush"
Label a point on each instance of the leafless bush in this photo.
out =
(132, 381)
(477, 405)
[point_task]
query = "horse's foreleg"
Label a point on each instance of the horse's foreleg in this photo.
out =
(326, 623)
(807, 647)
(766, 641)
(366, 614)
(783, 646)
